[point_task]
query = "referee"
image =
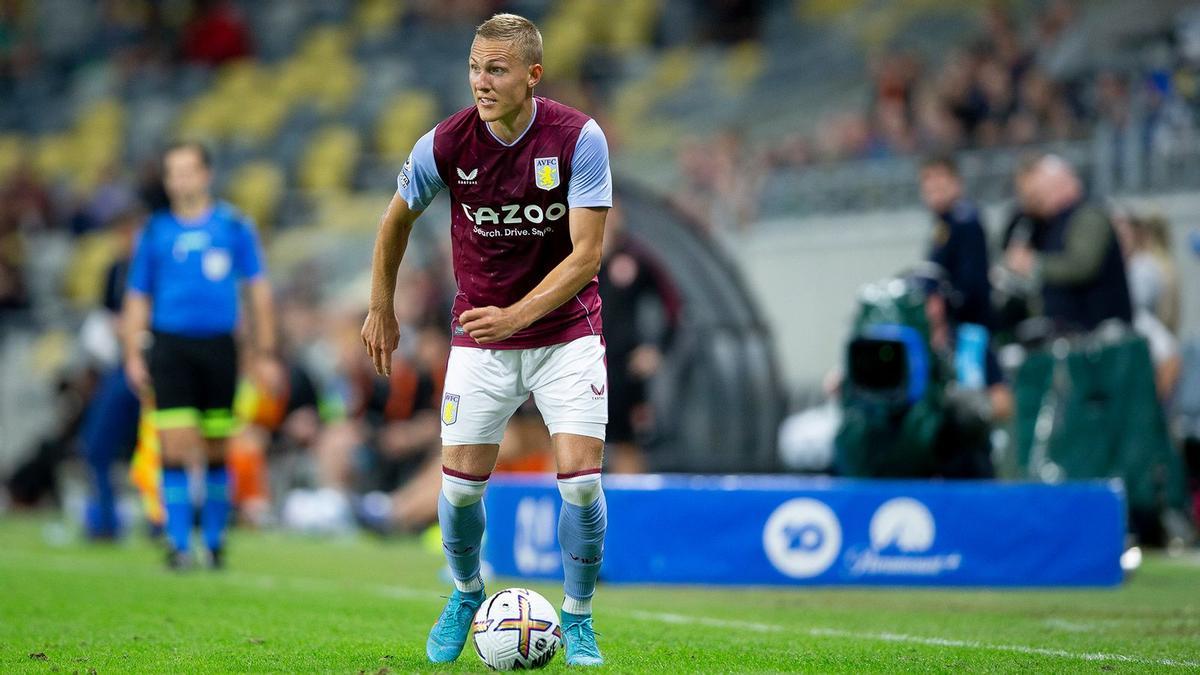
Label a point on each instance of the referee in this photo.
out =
(180, 313)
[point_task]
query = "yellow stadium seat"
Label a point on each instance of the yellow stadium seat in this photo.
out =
(257, 188)
(97, 140)
(633, 24)
(375, 18)
(82, 281)
(325, 42)
(351, 212)
(259, 118)
(12, 150)
(675, 69)
(50, 353)
(329, 161)
(825, 10)
(241, 77)
(53, 154)
(565, 41)
(294, 80)
(106, 117)
(743, 64)
(406, 118)
(203, 118)
(338, 81)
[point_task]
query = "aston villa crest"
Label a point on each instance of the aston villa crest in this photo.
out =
(545, 172)
(450, 408)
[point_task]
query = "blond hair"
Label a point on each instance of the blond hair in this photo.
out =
(516, 30)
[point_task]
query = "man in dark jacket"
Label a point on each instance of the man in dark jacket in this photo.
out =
(1074, 252)
(959, 243)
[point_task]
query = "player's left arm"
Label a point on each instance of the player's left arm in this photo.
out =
(492, 324)
(248, 258)
(589, 196)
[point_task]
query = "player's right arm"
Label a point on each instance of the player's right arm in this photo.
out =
(135, 315)
(135, 319)
(416, 186)
(381, 331)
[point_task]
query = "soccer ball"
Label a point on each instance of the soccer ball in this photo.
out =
(516, 629)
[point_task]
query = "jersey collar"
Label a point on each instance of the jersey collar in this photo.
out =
(518, 138)
(197, 221)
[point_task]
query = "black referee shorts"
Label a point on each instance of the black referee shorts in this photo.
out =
(194, 383)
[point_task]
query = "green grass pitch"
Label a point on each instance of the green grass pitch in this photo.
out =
(290, 604)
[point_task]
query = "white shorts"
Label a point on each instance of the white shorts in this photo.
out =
(484, 387)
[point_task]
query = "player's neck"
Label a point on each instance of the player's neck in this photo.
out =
(510, 127)
(191, 209)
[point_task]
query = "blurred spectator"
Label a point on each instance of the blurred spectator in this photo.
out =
(110, 198)
(388, 445)
(640, 312)
(731, 21)
(13, 295)
(1154, 291)
(1169, 122)
(722, 177)
(132, 34)
(20, 48)
(1061, 41)
(959, 243)
(1015, 297)
(25, 202)
(1073, 252)
(216, 33)
(35, 479)
(1023, 223)
(110, 423)
(399, 461)
(1153, 279)
(25, 206)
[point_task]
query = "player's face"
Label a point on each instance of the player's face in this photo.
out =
(500, 80)
(184, 175)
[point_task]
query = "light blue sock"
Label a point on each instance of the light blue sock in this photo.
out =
(177, 500)
(581, 526)
(215, 516)
(462, 519)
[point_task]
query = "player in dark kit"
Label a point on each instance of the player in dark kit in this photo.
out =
(530, 187)
(181, 308)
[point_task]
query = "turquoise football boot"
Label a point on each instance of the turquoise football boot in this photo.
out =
(580, 641)
(449, 634)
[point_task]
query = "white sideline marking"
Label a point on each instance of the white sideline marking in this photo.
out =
(911, 639)
(1069, 626)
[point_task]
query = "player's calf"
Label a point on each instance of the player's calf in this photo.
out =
(462, 519)
(582, 522)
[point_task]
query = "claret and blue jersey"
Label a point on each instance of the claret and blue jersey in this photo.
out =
(509, 211)
(190, 270)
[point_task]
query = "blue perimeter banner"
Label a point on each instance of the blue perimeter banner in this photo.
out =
(783, 530)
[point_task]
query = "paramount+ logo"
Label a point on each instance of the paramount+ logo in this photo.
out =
(803, 538)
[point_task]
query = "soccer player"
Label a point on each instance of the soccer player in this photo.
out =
(181, 308)
(530, 188)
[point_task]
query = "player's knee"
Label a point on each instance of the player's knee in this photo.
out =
(580, 489)
(179, 446)
(461, 490)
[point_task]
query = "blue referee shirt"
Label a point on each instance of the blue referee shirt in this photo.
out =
(190, 270)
